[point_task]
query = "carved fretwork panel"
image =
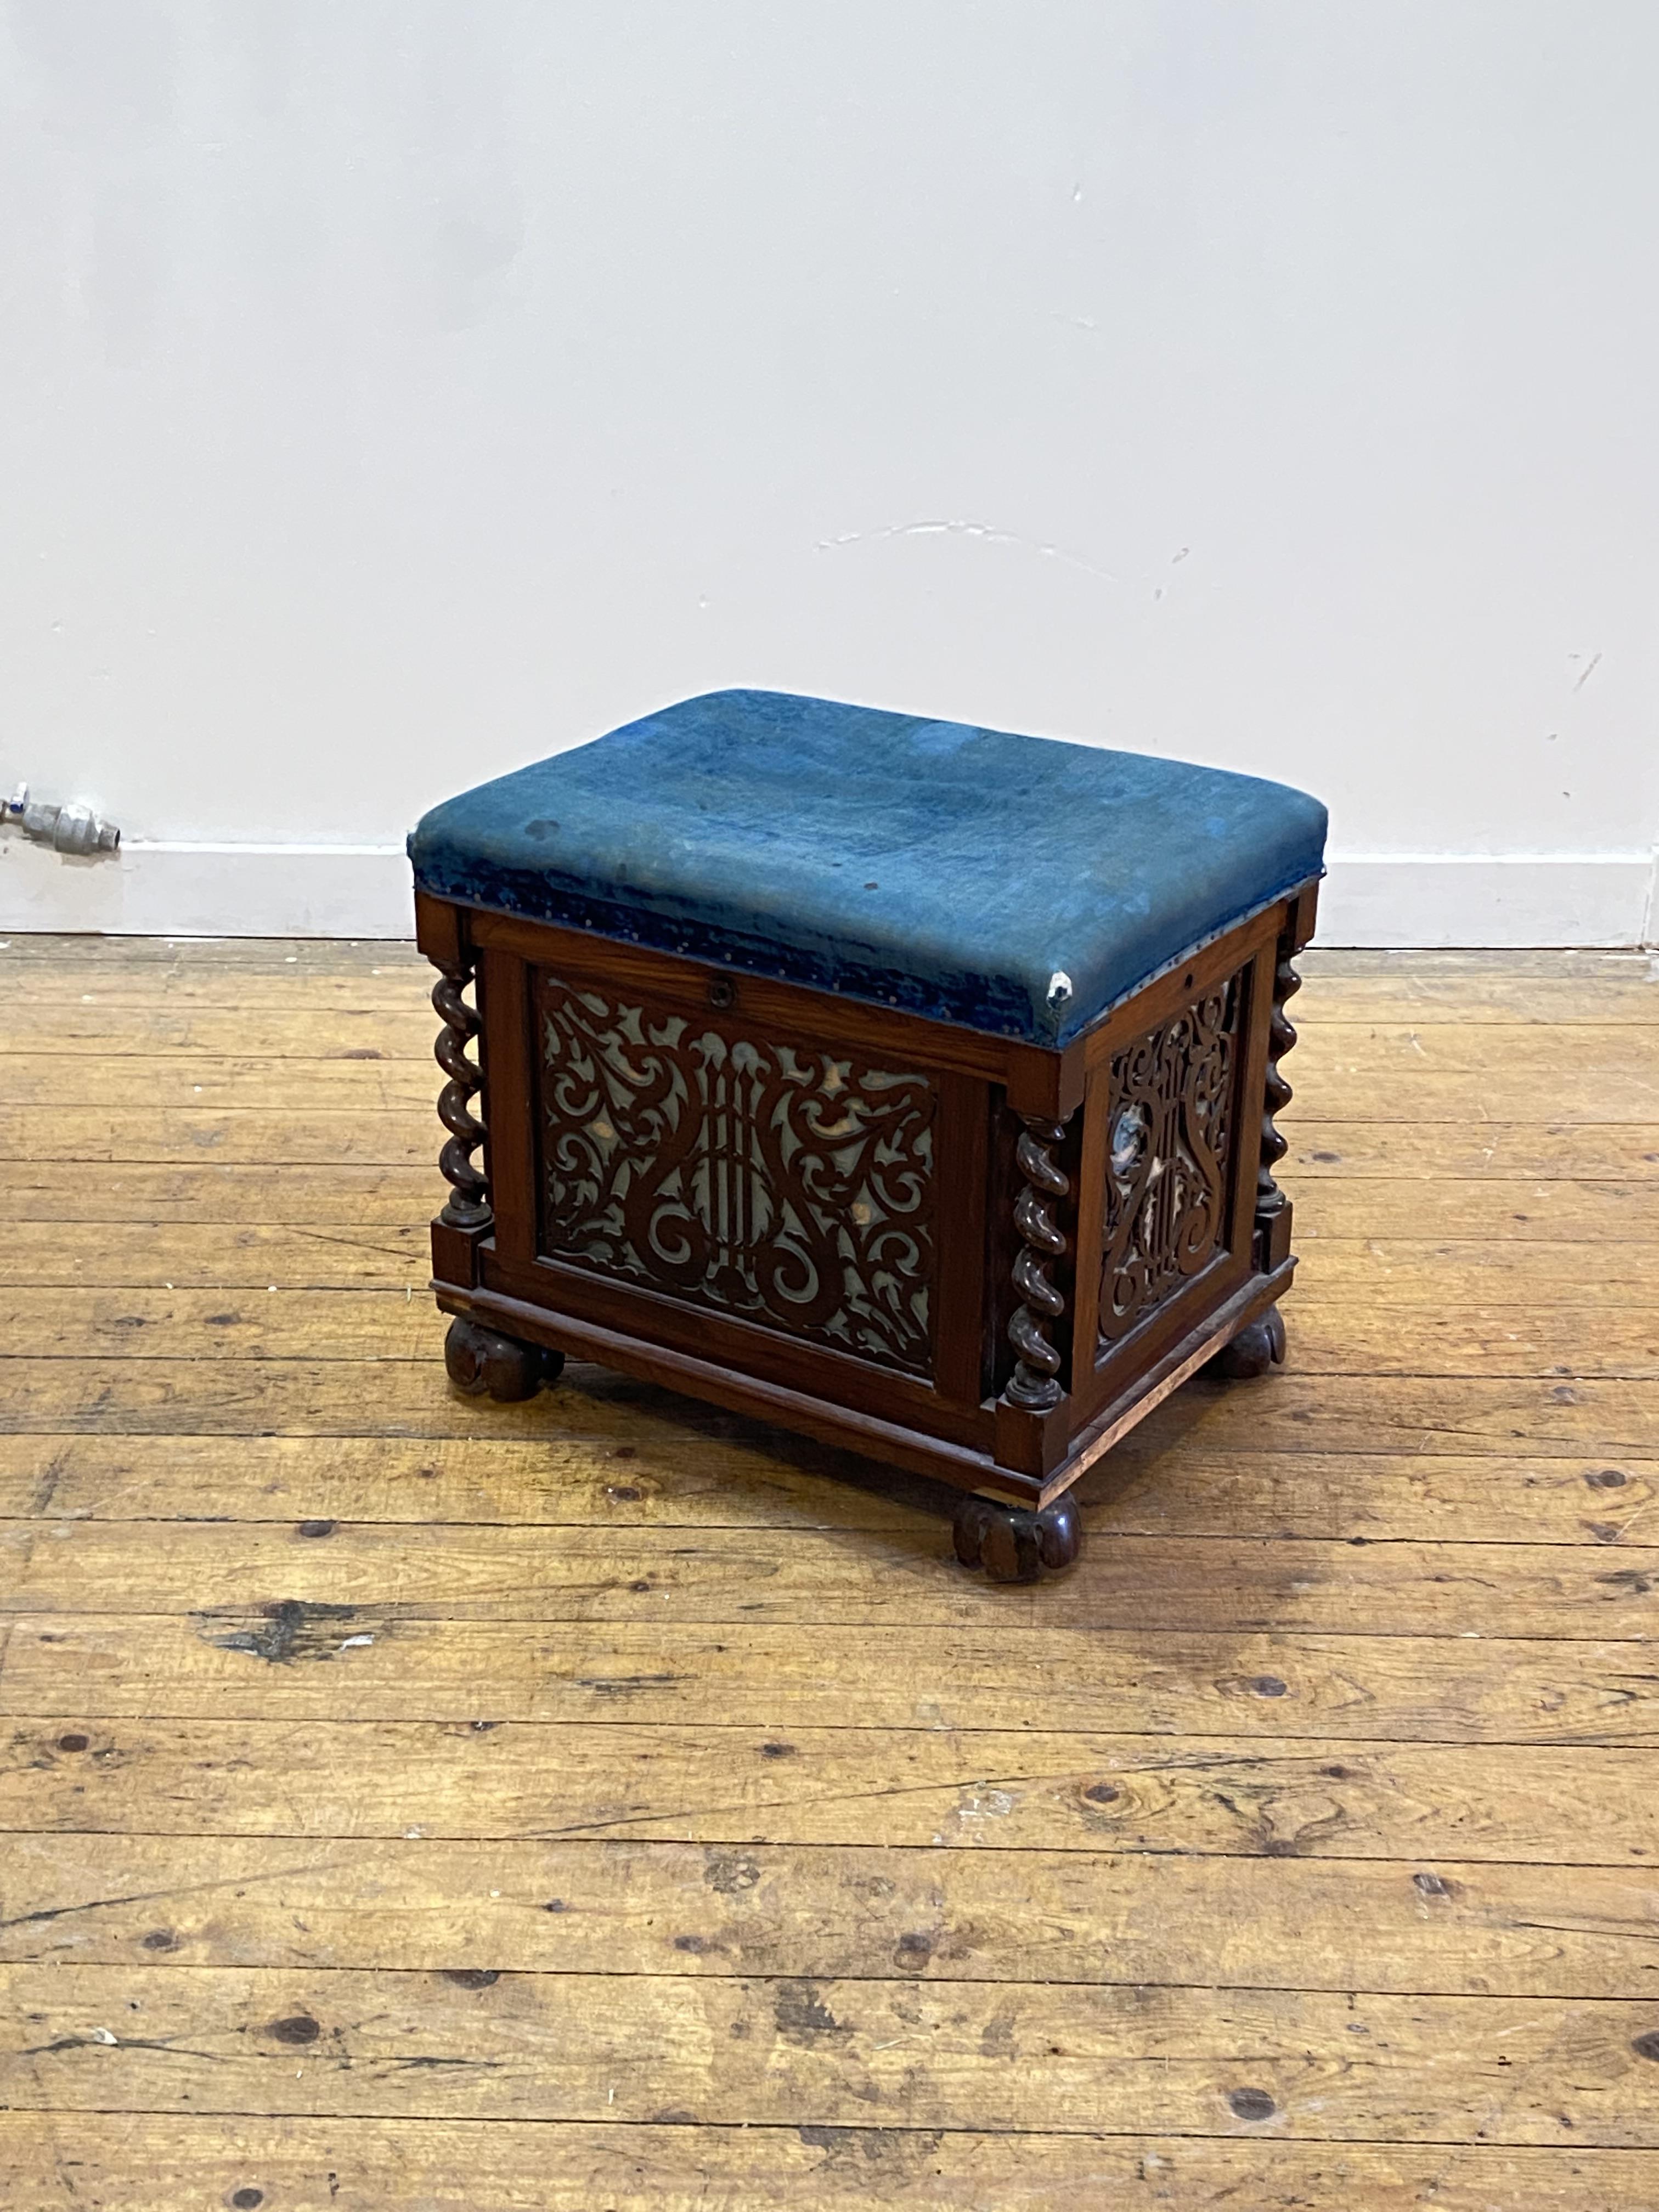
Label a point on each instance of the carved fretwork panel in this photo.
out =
(788, 1184)
(1169, 1139)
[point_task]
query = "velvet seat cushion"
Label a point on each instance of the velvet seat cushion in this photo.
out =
(1015, 885)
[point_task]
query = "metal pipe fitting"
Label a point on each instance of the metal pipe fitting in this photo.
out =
(73, 828)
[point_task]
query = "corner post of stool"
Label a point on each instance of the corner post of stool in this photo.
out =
(467, 1218)
(1034, 1384)
(1273, 1207)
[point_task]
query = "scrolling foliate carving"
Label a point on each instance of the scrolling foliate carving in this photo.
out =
(788, 1184)
(1169, 1136)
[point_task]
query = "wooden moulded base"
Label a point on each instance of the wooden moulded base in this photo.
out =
(508, 1349)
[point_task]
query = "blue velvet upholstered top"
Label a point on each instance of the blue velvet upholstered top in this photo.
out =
(1015, 885)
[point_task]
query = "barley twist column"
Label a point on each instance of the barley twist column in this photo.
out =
(468, 1205)
(1035, 1383)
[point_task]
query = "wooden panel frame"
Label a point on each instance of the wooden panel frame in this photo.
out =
(961, 1426)
(1096, 1379)
(948, 1406)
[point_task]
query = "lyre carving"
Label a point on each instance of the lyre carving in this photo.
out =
(790, 1184)
(1035, 1383)
(1272, 1205)
(468, 1203)
(1169, 1136)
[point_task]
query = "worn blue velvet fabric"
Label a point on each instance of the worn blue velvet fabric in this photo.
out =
(954, 872)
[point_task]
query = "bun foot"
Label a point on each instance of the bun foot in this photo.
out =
(1259, 1346)
(1013, 1544)
(481, 1361)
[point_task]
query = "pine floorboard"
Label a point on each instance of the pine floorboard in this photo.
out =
(409, 1805)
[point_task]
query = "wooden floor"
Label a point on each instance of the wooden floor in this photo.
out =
(606, 1804)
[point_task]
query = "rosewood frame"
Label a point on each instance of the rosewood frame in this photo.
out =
(1020, 1401)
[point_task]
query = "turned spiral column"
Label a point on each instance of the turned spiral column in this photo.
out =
(468, 1205)
(1273, 1208)
(1035, 1383)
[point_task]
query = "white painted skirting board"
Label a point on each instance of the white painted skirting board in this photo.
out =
(1410, 900)
(209, 890)
(363, 890)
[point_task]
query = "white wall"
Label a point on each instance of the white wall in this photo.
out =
(394, 391)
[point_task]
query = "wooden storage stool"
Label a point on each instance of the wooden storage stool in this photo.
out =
(907, 1083)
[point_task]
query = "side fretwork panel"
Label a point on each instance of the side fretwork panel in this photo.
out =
(806, 1206)
(1171, 1122)
(789, 1183)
